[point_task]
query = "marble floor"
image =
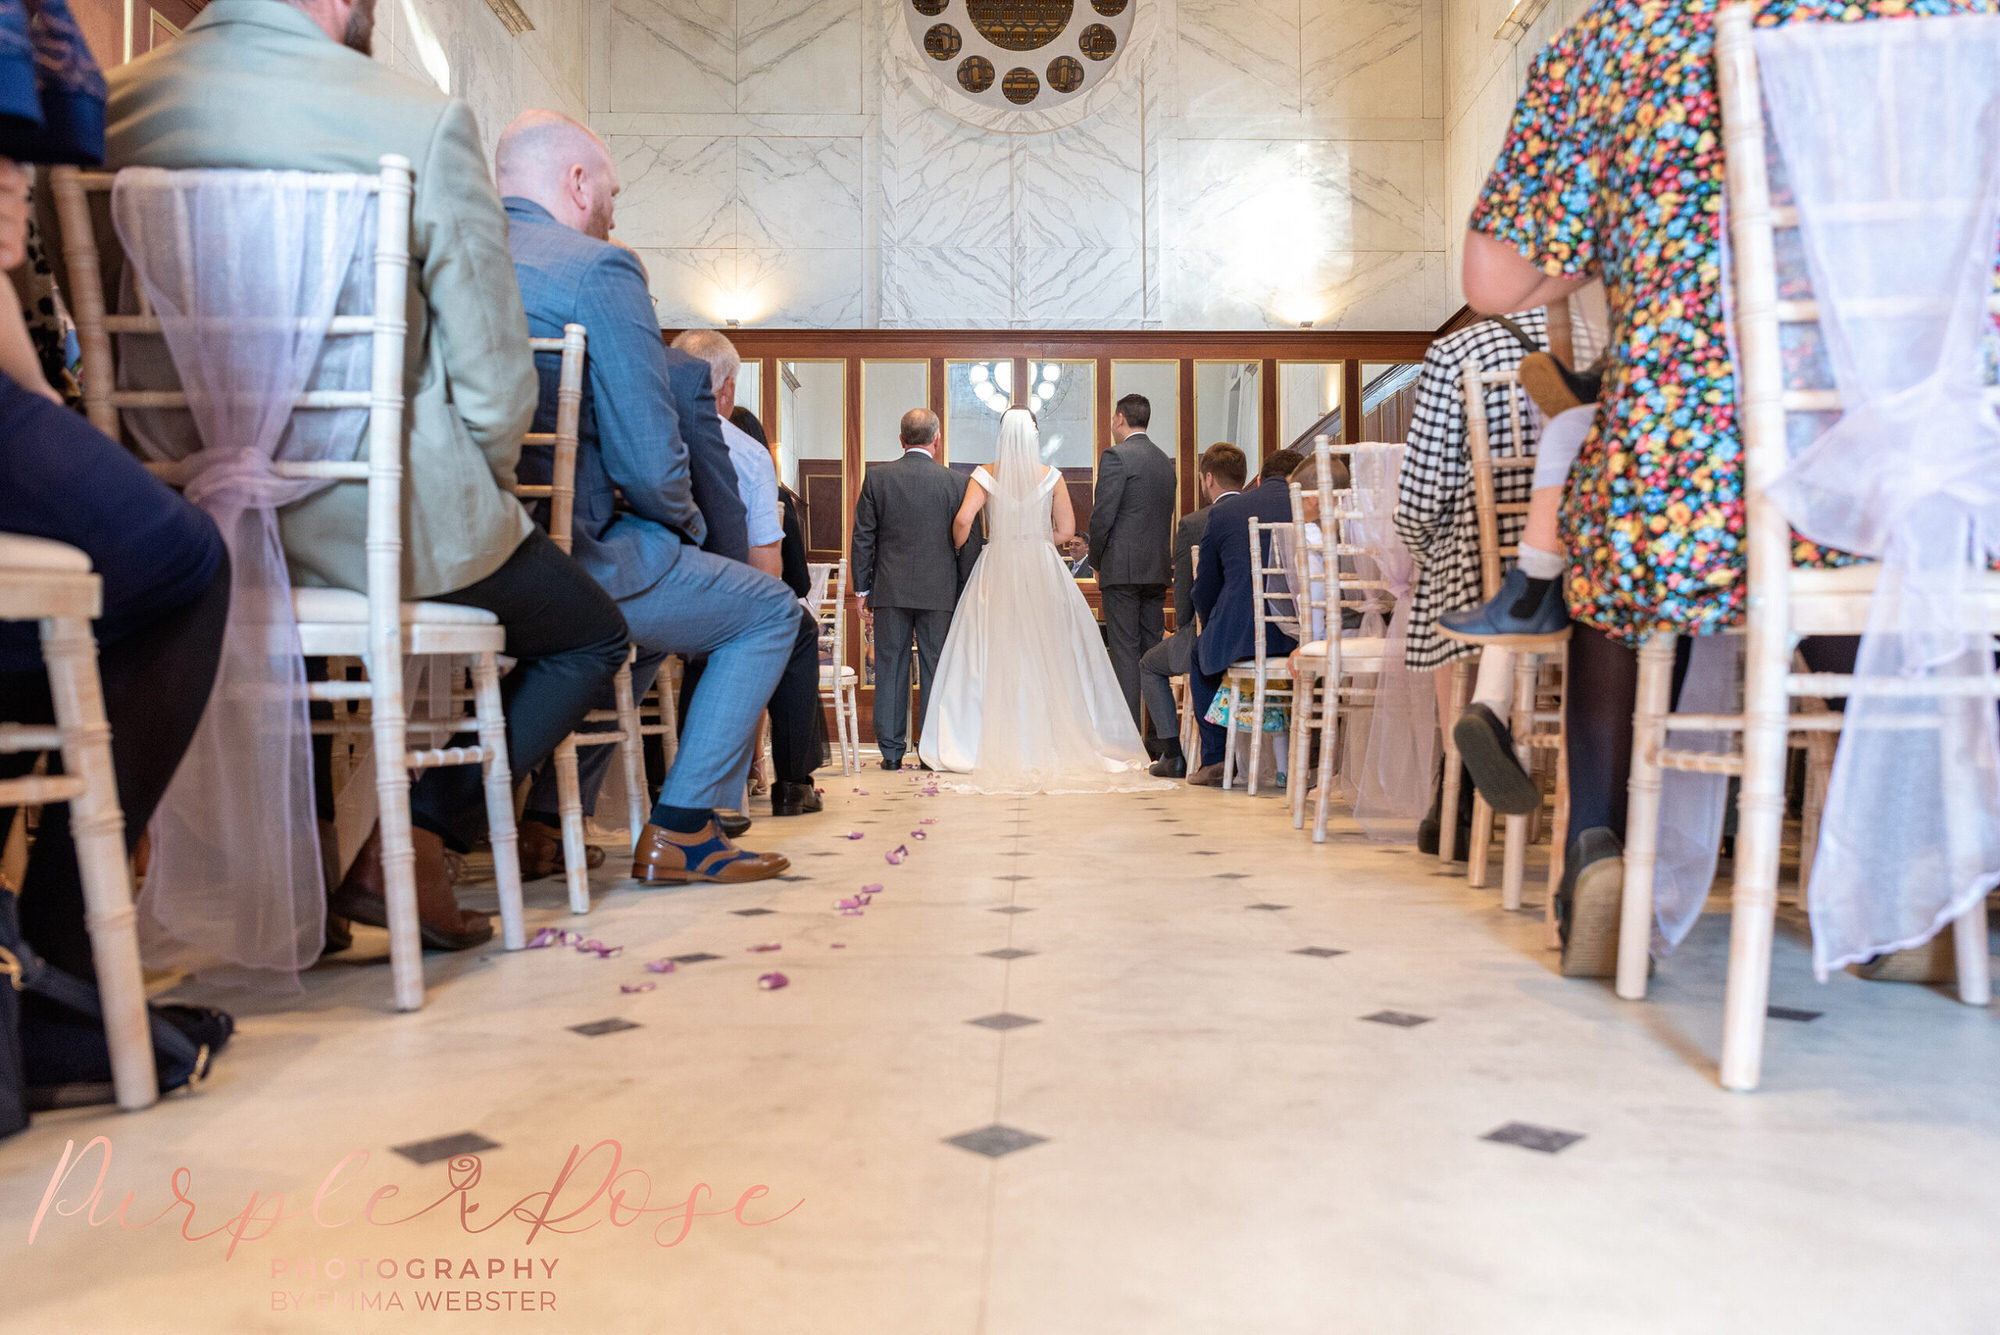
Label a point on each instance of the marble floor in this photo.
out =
(1145, 1063)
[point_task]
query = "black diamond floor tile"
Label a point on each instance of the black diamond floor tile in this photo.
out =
(1401, 1019)
(750, 913)
(1003, 1021)
(446, 1147)
(1013, 878)
(599, 1028)
(1011, 908)
(794, 878)
(1792, 1013)
(698, 957)
(1530, 1137)
(1269, 908)
(1318, 952)
(1207, 853)
(1008, 954)
(1232, 876)
(996, 1140)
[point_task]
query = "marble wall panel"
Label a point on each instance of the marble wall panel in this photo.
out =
(670, 55)
(1082, 187)
(948, 287)
(1078, 288)
(799, 193)
(1366, 58)
(799, 56)
(944, 183)
(809, 289)
(1239, 57)
(678, 190)
(691, 287)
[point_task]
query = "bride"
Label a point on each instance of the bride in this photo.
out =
(1024, 699)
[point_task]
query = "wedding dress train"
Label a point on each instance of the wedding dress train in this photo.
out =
(1024, 699)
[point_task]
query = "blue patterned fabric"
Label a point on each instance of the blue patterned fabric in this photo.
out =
(51, 91)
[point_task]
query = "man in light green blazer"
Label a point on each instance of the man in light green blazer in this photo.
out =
(288, 84)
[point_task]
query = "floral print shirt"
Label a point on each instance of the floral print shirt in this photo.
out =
(1614, 165)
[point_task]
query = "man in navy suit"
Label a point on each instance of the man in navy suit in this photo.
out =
(1224, 586)
(638, 442)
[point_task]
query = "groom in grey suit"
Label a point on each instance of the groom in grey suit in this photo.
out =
(907, 575)
(1131, 541)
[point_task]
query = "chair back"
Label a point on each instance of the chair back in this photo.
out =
(385, 326)
(1270, 576)
(1495, 476)
(830, 611)
(560, 489)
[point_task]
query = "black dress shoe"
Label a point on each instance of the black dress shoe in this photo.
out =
(1169, 767)
(793, 799)
(892, 765)
(1487, 747)
(733, 823)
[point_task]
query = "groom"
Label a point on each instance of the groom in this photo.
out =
(907, 575)
(1131, 542)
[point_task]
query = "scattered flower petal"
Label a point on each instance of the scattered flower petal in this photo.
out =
(894, 857)
(548, 936)
(660, 966)
(599, 949)
(854, 834)
(875, 889)
(836, 945)
(763, 946)
(928, 820)
(637, 987)
(771, 982)
(850, 913)
(918, 834)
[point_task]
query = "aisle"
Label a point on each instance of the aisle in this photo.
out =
(1100, 1065)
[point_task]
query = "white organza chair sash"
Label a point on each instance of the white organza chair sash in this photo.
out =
(1898, 195)
(246, 271)
(1391, 777)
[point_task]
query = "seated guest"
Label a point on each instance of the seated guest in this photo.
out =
(1224, 586)
(267, 84)
(795, 704)
(558, 184)
(1223, 469)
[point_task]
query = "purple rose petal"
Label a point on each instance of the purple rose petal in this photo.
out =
(928, 820)
(836, 945)
(854, 834)
(660, 966)
(850, 913)
(918, 834)
(548, 936)
(599, 949)
(637, 987)
(894, 857)
(871, 889)
(763, 946)
(771, 982)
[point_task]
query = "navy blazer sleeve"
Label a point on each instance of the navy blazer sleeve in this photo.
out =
(638, 430)
(1208, 571)
(714, 472)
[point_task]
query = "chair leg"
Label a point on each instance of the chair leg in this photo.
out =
(1559, 827)
(1448, 849)
(97, 825)
(1482, 843)
(569, 802)
(631, 752)
(1514, 854)
(1258, 700)
(1760, 819)
(1969, 942)
(1329, 738)
(388, 722)
(1302, 720)
(500, 802)
(1642, 818)
(1229, 736)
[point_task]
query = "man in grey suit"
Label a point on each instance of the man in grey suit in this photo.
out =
(288, 85)
(1131, 532)
(1223, 469)
(906, 572)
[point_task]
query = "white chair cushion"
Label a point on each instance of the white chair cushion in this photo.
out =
(20, 552)
(1370, 647)
(346, 607)
(830, 676)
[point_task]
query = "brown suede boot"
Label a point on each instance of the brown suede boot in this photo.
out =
(445, 926)
(541, 851)
(708, 855)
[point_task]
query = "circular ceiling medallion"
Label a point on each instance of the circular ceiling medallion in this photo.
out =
(975, 74)
(941, 42)
(1075, 45)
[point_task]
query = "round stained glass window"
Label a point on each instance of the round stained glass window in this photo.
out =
(942, 42)
(975, 47)
(975, 74)
(1020, 86)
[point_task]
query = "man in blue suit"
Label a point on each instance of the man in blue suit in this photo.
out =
(1224, 586)
(638, 435)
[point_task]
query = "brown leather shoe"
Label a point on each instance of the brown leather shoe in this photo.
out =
(676, 859)
(444, 925)
(1208, 776)
(541, 850)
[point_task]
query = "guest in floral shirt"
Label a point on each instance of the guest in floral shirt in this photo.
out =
(1613, 167)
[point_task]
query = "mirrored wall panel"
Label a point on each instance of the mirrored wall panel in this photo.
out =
(1388, 398)
(812, 434)
(1309, 395)
(888, 390)
(1160, 384)
(976, 393)
(750, 389)
(1228, 401)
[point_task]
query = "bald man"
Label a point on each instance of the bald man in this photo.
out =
(558, 185)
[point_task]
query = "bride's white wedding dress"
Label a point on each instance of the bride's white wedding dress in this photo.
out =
(1024, 699)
